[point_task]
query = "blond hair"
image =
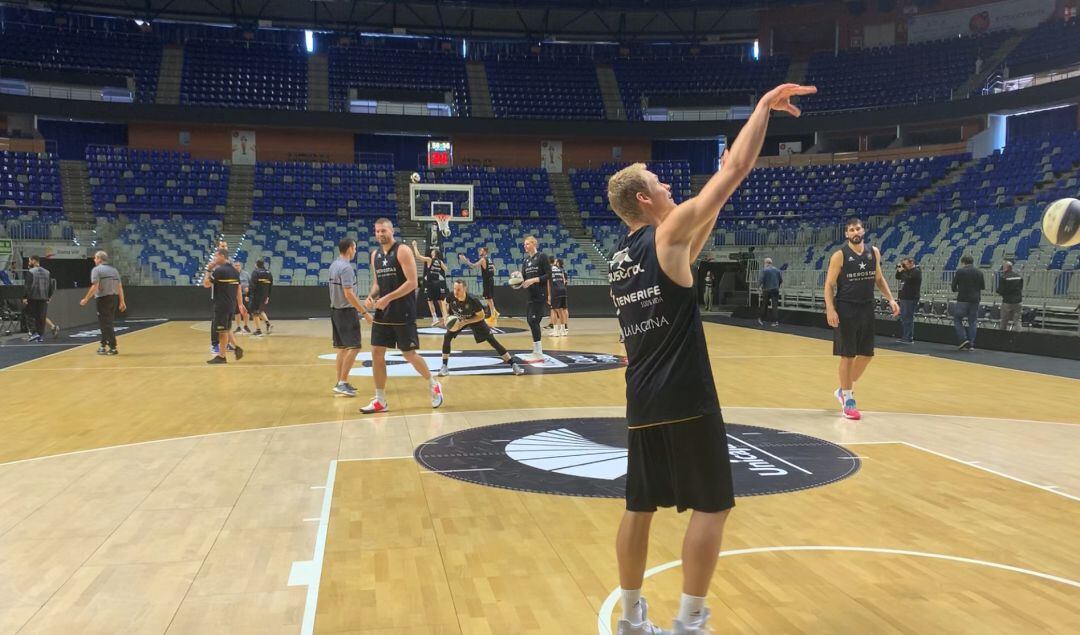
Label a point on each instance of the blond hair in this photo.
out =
(532, 239)
(623, 188)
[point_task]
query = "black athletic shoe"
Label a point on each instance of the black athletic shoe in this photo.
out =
(257, 333)
(113, 351)
(247, 330)
(239, 352)
(217, 360)
(55, 330)
(964, 345)
(101, 351)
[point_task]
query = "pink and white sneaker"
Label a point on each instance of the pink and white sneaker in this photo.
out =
(436, 395)
(375, 406)
(850, 411)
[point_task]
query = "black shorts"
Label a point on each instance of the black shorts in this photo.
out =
(256, 305)
(403, 337)
(222, 320)
(435, 292)
(345, 324)
(536, 310)
(558, 302)
(489, 290)
(683, 465)
(480, 330)
(855, 335)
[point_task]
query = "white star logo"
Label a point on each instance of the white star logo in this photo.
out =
(862, 265)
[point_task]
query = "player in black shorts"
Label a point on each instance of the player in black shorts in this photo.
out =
(470, 313)
(487, 277)
(536, 271)
(677, 443)
(559, 312)
(228, 301)
(854, 271)
(262, 285)
(434, 283)
(394, 284)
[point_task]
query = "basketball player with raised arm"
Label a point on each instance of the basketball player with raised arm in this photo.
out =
(434, 283)
(854, 271)
(536, 271)
(677, 443)
(470, 313)
(487, 277)
(394, 284)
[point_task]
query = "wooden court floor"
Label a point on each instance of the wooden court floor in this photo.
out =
(149, 493)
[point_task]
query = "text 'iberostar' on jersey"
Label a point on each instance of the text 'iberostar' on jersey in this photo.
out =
(465, 309)
(390, 275)
(858, 275)
(558, 280)
(435, 274)
(537, 266)
(668, 375)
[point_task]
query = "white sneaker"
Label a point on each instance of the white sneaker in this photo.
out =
(375, 406)
(700, 626)
(839, 394)
(518, 370)
(444, 371)
(645, 627)
(345, 389)
(436, 395)
(533, 357)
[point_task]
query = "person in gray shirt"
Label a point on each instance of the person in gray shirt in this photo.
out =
(105, 285)
(245, 291)
(39, 290)
(345, 311)
(770, 282)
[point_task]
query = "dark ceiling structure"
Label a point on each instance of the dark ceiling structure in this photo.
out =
(603, 20)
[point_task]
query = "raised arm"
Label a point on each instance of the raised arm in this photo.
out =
(416, 250)
(473, 265)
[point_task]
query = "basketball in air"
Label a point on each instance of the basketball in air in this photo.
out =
(452, 322)
(516, 279)
(415, 177)
(1061, 222)
(445, 232)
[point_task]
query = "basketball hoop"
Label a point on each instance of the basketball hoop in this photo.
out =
(443, 220)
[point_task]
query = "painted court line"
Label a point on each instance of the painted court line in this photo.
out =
(735, 438)
(309, 572)
(603, 622)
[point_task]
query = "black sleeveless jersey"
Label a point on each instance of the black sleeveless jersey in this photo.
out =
(466, 308)
(855, 284)
(435, 275)
(487, 273)
(668, 375)
(558, 280)
(537, 266)
(390, 275)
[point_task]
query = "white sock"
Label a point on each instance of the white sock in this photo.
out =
(631, 606)
(431, 381)
(690, 609)
(380, 395)
(538, 348)
(849, 394)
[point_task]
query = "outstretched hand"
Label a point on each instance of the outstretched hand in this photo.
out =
(779, 98)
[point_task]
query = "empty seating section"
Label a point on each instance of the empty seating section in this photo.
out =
(511, 193)
(895, 76)
(996, 180)
(173, 248)
(298, 249)
(244, 74)
(383, 67)
(539, 88)
(135, 55)
(365, 189)
(832, 191)
(1051, 44)
(706, 75)
(34, 225)
(126, 180)
(29, 180)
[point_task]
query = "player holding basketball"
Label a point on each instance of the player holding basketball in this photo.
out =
(394, 283)
(487, 277)
(434, 283)
(854, 271)
(470, 313)
(677, 443)
(536, 271)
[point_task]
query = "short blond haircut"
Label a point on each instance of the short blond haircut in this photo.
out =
(533, 240)
(623, 188)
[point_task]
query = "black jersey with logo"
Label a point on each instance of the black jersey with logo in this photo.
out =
(558, 280)
(262, 283)
(226, 281)
(855, 285)
(668, 375)
(487, 273)
(467, 308)
(390, 275)
(537, 266)
(435, 275)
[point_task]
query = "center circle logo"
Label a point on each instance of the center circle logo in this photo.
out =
(486, 362)
(587, 457)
